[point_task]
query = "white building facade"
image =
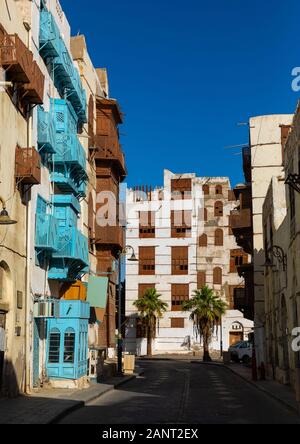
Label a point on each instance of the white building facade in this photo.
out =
(180, 234)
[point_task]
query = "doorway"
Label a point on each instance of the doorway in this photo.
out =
(235, 337)
(2, 344)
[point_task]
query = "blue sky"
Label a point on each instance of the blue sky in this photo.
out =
(187, 72)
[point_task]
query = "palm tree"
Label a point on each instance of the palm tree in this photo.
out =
(151, 308)
(206, 310)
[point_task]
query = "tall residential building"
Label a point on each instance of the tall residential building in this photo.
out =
(55, 146)
(263, 160)
(281, 251)
(181, 235)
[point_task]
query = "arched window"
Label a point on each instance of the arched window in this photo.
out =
(203, 240)
(54, 347)
(219, 238)
(219, 190)
(201, 279)
(218, 209)
(218, 276)
(205, 189)
(69, 346)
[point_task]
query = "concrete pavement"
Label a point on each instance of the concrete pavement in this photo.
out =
(180, 392)
(49, 406)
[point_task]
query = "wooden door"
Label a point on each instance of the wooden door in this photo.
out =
(2, 344)
(235, 337)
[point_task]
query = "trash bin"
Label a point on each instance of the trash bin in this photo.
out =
(129, 364)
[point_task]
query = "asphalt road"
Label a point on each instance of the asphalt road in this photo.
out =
(173, 392)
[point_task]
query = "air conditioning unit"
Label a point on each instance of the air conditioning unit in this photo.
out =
(46, 309)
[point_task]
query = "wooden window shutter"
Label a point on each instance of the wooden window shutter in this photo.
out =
(205, 215)
(143, 288)
(205, 189)
(203, 240)
(219, 238)
(180, 294)
(177, 322)
(219, 209)
(201, 280)
(231, 196)
(180, 260)
(219, 190)
(218, 276)
(147, 260)
(147, 224)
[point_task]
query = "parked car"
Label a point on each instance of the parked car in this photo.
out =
(241, 352)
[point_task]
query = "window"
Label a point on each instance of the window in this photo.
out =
(205, 214)
(219, 238)
(145, 287)
(237, 258)
(180, 294)
(218, 276)
(177, 322)
(219, 190)
(147, 260)
(181, 189)
(203, 240)
(54, 347)
(147, 224)
(219, 209)
(69, 346)
(180, 260)
(181, 223)
(205, 189)
(201, 279)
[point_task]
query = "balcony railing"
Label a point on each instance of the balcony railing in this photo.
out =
(108, 149)
(46, 236)
(73, 245)
(28, 166)
(240, 219)
(46, 131)
(67, 182)
(15, 58)
(66, 76)
(34, 91)
(110, 235)
(69, 150)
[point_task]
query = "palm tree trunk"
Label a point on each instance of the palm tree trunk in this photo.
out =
(149, 340)
(206, 355)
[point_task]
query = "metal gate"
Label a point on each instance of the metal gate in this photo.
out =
(2, 344)
(36, 353)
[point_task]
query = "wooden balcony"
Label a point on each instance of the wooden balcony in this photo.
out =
(240, 219)
(15, 58)
(28, 166)
(109, 235)
(34, 91)
(108, 149)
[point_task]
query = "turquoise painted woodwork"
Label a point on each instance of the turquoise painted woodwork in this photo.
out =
(46, 132)
(64, 74)
(46, 232)
(97, 291)
(67, 341)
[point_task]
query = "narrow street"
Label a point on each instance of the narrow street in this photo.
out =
(180, 392)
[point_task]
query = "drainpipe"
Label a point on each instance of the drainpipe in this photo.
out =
(28, 319)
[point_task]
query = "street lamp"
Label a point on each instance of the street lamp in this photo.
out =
(4, 216)
(133, 258)
(279, 254)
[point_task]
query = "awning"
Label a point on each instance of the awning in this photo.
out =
(97, 292)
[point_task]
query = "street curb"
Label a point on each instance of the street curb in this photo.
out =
(266, 392)
(80, 404)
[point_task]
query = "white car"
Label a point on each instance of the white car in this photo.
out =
(241, 351)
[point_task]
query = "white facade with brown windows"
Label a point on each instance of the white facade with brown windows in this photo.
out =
(181, 235)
